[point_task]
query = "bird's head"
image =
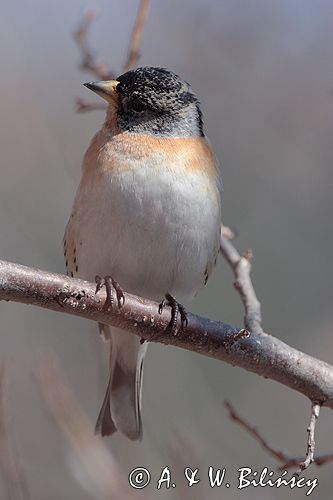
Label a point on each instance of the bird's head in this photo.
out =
(152, 101)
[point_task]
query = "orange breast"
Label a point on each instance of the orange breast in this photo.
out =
(112, 153)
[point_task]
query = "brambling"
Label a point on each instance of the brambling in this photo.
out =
(147, 213)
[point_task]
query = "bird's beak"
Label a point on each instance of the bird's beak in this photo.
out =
(106, 90)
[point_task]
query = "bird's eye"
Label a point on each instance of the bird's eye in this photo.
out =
(137, 106)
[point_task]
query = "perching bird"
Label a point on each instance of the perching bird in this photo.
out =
(147, 213)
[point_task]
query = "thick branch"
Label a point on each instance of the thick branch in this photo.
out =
(259, 353)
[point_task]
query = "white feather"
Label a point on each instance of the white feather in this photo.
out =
(154, 227)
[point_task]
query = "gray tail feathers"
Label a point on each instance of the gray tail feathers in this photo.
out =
(121, 408)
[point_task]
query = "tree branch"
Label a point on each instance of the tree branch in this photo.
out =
(241, 266)
(91, 63)
(133, 51)
(259, 353)
(309, 458)
(286, 460)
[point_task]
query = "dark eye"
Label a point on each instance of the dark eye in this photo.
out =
(138, 106)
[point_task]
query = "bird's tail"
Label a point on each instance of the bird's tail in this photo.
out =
(121, 408)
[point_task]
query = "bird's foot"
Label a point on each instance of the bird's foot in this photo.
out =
(176, 311)
(111, 285)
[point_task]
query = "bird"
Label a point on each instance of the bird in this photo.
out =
(146, 217)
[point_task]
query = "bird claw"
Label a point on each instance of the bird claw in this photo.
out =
(161, 306)
(110, 285)
(177, 310)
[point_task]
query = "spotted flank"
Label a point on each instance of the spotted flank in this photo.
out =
(206, 276)
(70, 256)
(209, 268)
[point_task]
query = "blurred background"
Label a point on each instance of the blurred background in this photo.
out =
(264, 73)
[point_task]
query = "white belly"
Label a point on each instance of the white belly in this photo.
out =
(153, 230)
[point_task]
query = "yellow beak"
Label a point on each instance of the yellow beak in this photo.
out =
(106, 90)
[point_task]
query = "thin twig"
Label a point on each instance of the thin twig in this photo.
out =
(83, 106)
(91, 453)
(309, 458)
(279, 455)
(241, 266)
(259, 353)
(286, 460)
(89, 61)
(253, 321)
(133, 51)
(11, 468)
